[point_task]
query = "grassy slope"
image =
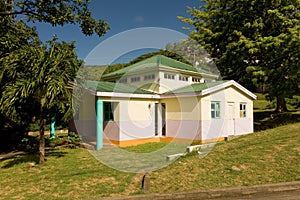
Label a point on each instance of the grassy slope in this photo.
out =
(265, 116)
(265, 157)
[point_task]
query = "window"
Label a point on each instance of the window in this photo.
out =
(242, 110)
(135, 79)
(123, 80)
(169, 76)
(215, 109)
(197, 80)
(183, 78)
(149, 77)
(108, 111)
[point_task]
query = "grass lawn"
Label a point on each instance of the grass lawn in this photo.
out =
(265, 116)
(269, 156)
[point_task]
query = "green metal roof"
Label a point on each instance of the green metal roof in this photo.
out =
(197, 87)
(114, 87)
(124, 88)
(156, 61)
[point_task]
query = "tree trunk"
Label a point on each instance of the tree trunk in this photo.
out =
(42, 138)
(281, 104)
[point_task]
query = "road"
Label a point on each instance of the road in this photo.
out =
(287, 195)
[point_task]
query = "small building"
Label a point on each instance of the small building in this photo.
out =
(161, 99)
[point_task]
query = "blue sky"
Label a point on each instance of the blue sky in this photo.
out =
(122, 15)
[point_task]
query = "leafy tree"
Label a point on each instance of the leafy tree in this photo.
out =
(58, 12)
(34, 75)
(44, 80)
(13, 36)
(252, 41)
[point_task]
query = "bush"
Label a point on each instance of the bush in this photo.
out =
(74, 138)
(31, 143)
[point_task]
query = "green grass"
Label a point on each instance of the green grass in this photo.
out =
(266, 157)
(269, 156)
(67, 174)
(265, 116)
(261, 104)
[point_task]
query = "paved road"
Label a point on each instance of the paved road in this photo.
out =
(280, 191)
(287, 195)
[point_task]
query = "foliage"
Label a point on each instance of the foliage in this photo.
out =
(58, 12)
(35, 125)
(43, 74)
(14, 36)
(73, 138)
(254, 42)
(30, 143)
(261, 104)
(265, 116)
(34, 76)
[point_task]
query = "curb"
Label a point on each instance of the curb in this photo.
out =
(243, 191)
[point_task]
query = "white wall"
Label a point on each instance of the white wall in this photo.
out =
(214, 128)
(171, 84)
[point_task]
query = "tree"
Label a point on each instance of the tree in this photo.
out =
(44, 80)
(27, 73)
(253, 42)
(59, 12)
(13, 36)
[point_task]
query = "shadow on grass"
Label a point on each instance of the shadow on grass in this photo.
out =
(270, 119)
(31, 157)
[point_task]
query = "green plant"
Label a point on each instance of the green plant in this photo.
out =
(74, 138)
(53, 142)
(29, 144)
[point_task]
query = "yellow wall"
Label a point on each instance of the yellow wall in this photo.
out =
(186, 108)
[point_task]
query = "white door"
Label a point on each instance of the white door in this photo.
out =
(230, 118)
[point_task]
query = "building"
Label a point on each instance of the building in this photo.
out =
(160, 99)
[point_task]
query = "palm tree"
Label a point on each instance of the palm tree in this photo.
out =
(40, 73)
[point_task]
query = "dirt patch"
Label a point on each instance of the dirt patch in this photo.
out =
(135, 184)
(36, 133)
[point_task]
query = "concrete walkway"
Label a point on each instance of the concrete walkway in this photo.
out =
(280, 191)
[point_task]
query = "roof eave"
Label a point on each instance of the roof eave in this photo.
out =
(228, 84)
(127, 95)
